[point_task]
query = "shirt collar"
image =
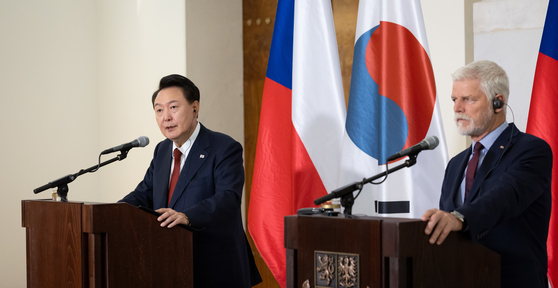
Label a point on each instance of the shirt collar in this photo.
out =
(188, 144)
(489, 139)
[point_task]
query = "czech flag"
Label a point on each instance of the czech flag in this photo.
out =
(301, 125)
(542, 121)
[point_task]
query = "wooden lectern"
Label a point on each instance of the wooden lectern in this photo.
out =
(72, 244)
(382, 252)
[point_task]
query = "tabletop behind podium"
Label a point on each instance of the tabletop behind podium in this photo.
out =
(103, 245)
(382, 252)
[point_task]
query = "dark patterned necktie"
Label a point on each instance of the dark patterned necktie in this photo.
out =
(472, 169)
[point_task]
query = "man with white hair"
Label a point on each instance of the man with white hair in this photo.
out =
(498, 190)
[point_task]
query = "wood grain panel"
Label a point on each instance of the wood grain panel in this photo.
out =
(392, 252)
(257, 42)
(307, 234)
(103, 245)
(135, 247)
(345, 17)
(55, 260)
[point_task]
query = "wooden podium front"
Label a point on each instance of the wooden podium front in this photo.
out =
(75, 244)
(382, 252)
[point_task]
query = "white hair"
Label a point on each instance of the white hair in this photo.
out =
(493, 79)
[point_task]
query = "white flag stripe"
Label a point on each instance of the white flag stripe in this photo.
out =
(318, 105)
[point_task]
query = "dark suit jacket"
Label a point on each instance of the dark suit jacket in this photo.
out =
(508, 207)
(209, 192)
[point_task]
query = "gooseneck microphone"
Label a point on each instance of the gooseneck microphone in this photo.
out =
(62, 183)
(142, 141)
(428, 143)
(346, 192)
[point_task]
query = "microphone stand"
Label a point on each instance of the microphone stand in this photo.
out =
(62, 183)
(346, 192)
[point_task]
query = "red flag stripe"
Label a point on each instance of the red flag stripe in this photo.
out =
(542, 123)
(285, 178)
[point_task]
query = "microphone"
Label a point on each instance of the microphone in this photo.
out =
(429, 143)
(142, 141)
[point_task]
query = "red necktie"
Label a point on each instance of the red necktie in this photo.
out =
(472, 169)
(175, 173)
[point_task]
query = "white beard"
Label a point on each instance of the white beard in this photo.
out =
(473, 129)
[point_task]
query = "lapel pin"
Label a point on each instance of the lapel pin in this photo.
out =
(202, 156)
(501, 147)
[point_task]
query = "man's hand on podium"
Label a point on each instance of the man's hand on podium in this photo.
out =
(440, 224)
(172, 218)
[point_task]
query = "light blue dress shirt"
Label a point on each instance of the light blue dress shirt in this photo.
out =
(487, 142)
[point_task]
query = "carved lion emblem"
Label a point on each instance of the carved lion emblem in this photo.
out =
(326, 269)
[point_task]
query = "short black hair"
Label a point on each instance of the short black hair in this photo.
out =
(189, 89)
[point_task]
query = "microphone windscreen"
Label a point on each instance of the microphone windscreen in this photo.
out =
(143, 141)
(432, 142)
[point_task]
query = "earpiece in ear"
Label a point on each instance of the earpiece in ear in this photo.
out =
(194, 110)
(497, 104)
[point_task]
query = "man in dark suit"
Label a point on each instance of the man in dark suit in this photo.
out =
(497, 191)
(196, 178)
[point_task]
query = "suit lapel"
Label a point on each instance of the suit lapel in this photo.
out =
(491, 159)
(462, 164)
(196, 157)
(162, 175)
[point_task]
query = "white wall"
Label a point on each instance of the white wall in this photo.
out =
(77, 77)
(49, 111)
(509, 33)
(139, 42)
(445, 28)
(214, 53)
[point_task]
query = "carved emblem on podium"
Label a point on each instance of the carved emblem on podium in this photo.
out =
(326, 268)
(348, 271)
(333, 269)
